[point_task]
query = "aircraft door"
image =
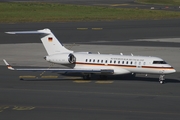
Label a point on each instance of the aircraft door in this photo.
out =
(138, 64)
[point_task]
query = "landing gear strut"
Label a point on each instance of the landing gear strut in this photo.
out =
(161, 79)
(87, 77)
(103, 77)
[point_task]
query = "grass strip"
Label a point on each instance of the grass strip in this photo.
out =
(160, 2)
(12, 12)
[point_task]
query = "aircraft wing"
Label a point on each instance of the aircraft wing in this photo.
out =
(62, 71)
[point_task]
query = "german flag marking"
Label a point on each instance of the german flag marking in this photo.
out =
(50, 39)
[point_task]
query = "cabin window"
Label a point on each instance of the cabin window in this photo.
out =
(159, 62)
(106, 61)
(97, 60)
(114, 61)
(101, 61)
(144, 63)
(127, 62)
(122, 62)
(86, 60)
(94, 60)
(89, 60)
(118, 62)
(111, 61)
(139, 63)
(131, 62)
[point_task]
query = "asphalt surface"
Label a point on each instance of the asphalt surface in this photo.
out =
(66, 98)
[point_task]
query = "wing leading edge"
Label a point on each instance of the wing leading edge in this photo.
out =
(62, 71)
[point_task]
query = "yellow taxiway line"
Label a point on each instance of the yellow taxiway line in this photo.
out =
(96, 28)
(81, 81)
(22, 108)
(49, 76)
(82, 28)
(27, 76)
(91, 28)
(104, 82)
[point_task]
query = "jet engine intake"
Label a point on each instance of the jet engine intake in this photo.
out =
(72, 58)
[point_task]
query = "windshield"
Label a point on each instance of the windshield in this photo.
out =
(159, 62)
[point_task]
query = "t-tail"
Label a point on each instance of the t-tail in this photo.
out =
(50, 42)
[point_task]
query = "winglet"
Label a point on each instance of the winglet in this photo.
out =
(8, 65)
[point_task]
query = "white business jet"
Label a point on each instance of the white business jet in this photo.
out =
(88, 64)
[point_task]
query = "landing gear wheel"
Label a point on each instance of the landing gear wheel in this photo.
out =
(161, 81)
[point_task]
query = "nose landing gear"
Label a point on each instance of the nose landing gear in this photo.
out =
(161, 79)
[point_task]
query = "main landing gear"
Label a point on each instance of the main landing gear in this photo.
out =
(87, 76)
(161, 79)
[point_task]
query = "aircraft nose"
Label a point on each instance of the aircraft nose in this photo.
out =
(173, 71)
(170, 70)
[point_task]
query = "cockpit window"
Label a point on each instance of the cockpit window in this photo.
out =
(159, 62)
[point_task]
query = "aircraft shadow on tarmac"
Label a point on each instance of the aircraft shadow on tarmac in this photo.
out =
(109, 78)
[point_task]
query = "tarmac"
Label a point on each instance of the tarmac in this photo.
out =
(51, 96)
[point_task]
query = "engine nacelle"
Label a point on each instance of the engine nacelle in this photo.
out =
(63, 58)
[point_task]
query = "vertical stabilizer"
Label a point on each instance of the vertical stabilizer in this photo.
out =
(50, 42)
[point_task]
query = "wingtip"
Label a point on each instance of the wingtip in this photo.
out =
(9, 32)
(8, 65)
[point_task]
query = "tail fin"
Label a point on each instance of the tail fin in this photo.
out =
(50, 42)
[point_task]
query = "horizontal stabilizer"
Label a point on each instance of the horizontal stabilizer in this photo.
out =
(44, 31)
